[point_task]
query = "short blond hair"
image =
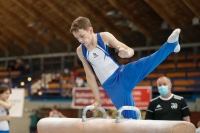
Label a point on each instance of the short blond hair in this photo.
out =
(80, 23)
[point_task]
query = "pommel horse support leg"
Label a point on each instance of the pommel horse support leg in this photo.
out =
(103, 125)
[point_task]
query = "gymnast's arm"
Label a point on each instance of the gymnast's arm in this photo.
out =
(6, 104)
(90, 78)
(111, 41)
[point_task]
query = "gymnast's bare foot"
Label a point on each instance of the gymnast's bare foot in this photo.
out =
(174, 38)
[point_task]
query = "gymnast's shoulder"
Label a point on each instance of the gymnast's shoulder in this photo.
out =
(106, 35)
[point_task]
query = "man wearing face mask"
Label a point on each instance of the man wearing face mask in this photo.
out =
(167, 106)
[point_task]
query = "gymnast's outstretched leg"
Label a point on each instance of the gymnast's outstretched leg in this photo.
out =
(138, 70)
(131, 74)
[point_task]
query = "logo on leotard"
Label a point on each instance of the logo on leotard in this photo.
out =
(95, 55)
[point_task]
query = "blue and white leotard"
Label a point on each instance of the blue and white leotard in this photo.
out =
(119, 80)
(4, 125)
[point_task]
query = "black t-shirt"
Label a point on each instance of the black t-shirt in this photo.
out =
(174, 108)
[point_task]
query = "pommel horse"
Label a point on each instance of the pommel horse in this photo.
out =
(118, 125)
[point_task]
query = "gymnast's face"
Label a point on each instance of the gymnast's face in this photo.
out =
(84, 36)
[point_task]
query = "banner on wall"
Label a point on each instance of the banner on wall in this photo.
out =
(17, 100)
(83, 96)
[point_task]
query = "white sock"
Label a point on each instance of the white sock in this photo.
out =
(177, 48)
(173, 38)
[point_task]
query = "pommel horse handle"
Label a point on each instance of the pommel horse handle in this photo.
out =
(119, 111)
(92, 107)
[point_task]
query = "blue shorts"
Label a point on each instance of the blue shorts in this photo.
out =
(120, 84)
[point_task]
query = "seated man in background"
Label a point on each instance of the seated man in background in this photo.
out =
(55, 113)
(167, 106)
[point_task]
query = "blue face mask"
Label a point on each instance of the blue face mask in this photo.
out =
(163, 90)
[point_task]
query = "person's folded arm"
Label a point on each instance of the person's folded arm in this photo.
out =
(6, 104)
(5, 118)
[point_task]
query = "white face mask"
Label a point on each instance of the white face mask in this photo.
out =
(163, 90)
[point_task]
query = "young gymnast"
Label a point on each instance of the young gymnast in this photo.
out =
(117, 80)
(5, 105)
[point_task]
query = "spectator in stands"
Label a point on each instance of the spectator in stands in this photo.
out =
(34, 118)
(198, 127)
(66, 72)
(55, 113)
(79, 81)
(11, 66)
(5, 105)
(167, 106)
(20, 66)
(73, 75)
